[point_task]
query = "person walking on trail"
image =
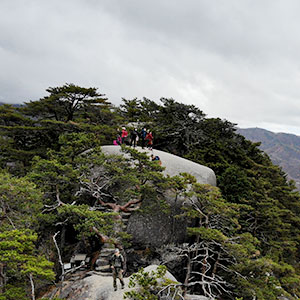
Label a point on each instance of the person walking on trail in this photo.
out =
(143, 136)
(133, 137)
(149, 140)
(124, 134)
(117, 265)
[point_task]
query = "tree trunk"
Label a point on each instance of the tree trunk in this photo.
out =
(32, 287)
(62, 239)
(216, 265)
(187, 276)
(2, 278)
(59, 258)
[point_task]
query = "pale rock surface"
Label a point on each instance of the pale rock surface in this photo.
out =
(94, 287)
(97, 287)
(153, 230)
(196, 297)
(157, 229)
(174, 164)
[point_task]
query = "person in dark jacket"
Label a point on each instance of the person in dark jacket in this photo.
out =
(156, 158)
(117, 265)
(133, 137)
(143, 136)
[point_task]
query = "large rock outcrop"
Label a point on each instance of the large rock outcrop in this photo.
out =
(97, 287)
(94, 287)
(157, 228)
(174, 164)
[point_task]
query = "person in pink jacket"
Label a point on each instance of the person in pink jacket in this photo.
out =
(124, 134)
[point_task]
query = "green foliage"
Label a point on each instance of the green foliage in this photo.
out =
(133, 177)
(20, 258)
(131, 108)
(268, 208)
(152, 285)
(218, 239)
(36, 126)
(59, 173)
(207, 203)
(65, 102)
(208, 234)
(82, 218)
(235, 185)
(12, 293)
(260, 278)
(251, 220)
(20, 202)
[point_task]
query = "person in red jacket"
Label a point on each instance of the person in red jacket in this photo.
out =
(149, 140)
(124, 134)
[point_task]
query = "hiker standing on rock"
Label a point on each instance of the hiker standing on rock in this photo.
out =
(143, 136)
(117, 265)
(133, 137)
(149, 139)
(124, 134)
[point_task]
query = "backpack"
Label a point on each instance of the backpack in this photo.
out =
(117, 261)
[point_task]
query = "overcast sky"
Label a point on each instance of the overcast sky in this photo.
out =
(236, 59)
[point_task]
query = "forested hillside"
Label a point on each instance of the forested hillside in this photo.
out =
(283, 149)
(243, 237)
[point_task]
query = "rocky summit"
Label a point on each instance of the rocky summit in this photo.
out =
(174, 165)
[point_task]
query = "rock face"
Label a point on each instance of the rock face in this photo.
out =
(196, 297)
(97, 287)
(156, 229)
(94, 287)
(174, 164)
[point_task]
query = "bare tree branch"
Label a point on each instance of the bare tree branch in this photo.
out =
(32, 287)
(59, 257)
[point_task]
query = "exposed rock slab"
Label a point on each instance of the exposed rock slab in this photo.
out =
(196, 297)
(97, 287)
(174, 164)
(94, 287)
(157, 229)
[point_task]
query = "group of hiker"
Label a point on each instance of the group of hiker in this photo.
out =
(145, 136)
(117, 262)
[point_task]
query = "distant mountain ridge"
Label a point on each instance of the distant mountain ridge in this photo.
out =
(283, 149)
(13, 104)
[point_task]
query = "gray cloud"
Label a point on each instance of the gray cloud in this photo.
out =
(237, 60)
